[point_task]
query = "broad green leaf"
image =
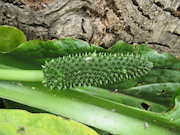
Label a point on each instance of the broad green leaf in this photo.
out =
(22, 122)
(154, 76)
(55, 48)
(161, 76)
(8, 62)
(157, 92)
(121, 47)
(10, 37)
(163, 60)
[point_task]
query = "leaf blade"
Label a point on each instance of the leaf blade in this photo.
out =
(22, 122)
(10, 38)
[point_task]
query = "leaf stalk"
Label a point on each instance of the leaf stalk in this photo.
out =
(21, 75)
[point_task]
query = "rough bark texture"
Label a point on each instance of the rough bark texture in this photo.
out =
(155, 22)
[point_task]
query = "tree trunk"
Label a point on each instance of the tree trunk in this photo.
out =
(154, 22)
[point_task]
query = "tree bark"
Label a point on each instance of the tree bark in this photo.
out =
(154, 22)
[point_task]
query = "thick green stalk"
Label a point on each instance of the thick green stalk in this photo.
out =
(103, 114)
(22, 75)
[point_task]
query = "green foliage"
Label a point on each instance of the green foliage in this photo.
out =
(163, 61)
(157, 92)
(22, 122)
(10, 38)
(173, 99)
(34, 49)
(150, 104)
(124, 99)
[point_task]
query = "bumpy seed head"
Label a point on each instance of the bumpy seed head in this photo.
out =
(93, 69)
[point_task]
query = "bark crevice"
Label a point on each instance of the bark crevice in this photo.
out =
(103, 22)
(140, 9)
